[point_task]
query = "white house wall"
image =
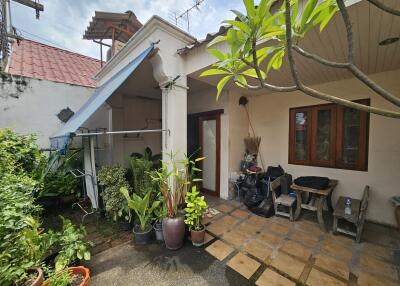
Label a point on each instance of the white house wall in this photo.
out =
(31, 105)
(130, 113)
(270, 114)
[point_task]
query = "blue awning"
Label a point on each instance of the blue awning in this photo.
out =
(62, 137)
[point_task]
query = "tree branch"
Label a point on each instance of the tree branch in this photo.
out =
(353, 68)
(319, 59)
(385, 8)
(321, 95)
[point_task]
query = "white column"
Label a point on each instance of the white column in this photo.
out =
(174, 120)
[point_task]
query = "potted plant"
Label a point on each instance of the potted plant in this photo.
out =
(195, 208)
(71, 276)
(174, 178)
(159, 213)
(144, 211)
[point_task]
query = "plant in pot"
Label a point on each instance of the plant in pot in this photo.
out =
(195, 208)
(112, 179)
(159, 214)
(144, 211)
(174, 178)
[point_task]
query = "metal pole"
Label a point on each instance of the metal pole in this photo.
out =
(121, 132)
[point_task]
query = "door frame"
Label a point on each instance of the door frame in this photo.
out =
(209, 115)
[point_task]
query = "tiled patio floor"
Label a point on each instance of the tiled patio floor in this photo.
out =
(275, 251)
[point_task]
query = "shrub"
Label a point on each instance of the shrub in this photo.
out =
(112, 178)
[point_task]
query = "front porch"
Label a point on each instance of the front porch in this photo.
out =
(243, 249)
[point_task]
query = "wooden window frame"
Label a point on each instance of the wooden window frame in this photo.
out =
(336, 136)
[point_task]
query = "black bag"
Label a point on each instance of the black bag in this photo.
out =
(265, 208)
(253, 197)
(274, 172)
(319, 183)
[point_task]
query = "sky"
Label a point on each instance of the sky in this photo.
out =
(63, 23)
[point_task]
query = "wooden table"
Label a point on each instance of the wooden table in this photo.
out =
(320, 195)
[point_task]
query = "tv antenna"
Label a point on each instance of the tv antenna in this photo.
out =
(179, 15)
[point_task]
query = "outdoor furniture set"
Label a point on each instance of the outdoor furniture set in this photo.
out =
(347, 209)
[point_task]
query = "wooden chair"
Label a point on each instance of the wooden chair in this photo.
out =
(357, 216)
(282, 199)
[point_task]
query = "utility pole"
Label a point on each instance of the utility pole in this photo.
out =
(7, 31)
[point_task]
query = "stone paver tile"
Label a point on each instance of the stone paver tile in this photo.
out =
(248, 229)
(207, 219)
(278, 228)
(309, 227)
(240, 213)
(368, 279)
(244, 265)
(235, 237)
(257, 220)
(207, 238)
(217, 228)
(235, 203)
(229, 220)
(225, 208)
(318, 278)
(378, 266)
(281, 220)
(332, 265)
(258, 249)
(219, 250)
(305, 238)
(270, 238)
(296, 249)
(337, 250)
(271, 278)
(377, 250)
(342, 239)
(288, 264)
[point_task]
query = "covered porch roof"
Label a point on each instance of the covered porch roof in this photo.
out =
(371, 26)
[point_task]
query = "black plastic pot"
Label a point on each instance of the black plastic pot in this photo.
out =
(143, 237)
(158, 231)
(124, 225)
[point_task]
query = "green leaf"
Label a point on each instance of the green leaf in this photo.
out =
(213, 72)
(221, 84)
(252, 73)
(241, 25)
(86, 255)
(249, 4)
(240, 15)
(217, 53)
(277, 63)
(308, 9)
(326, 20)
(241, 81)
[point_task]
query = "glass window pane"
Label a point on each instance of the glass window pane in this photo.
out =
(210, 152)
(351, 135)
(301, 152)
(323, 140)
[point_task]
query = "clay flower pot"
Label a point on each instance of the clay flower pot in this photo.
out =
(39, 279)
(85, 272)
(198, 236)
(174, 232)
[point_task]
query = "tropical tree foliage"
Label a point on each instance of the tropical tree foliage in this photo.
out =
(261, 39)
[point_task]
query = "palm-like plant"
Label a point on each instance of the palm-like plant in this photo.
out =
(141, 206)
(175, 178)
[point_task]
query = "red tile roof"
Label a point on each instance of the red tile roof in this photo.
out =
(37, 60)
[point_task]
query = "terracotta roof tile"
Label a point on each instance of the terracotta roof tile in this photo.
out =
(37, 60)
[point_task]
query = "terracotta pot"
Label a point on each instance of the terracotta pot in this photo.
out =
(143, 237)
(85, 272)
(198, 236)
(39, 279)
(173, 231)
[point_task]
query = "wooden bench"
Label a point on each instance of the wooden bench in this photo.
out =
(357, 216)
(282, 199)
